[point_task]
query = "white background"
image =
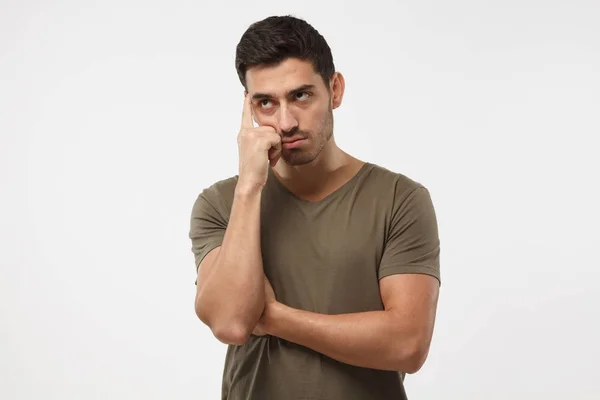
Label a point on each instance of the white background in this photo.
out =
(114, 115)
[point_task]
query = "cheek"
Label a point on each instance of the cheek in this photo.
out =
(318, 115)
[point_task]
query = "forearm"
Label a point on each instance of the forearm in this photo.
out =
(369, 339)
(233, 292)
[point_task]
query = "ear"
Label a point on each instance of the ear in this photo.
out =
(337, 86)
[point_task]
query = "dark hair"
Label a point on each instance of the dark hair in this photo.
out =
(274, 39)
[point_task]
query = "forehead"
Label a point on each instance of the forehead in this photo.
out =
(278, 79)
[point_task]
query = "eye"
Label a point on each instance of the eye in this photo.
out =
(302, 96)
(265, 103)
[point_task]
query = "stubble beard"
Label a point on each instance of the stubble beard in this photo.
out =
(296, 157)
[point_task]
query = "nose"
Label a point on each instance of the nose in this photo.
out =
(287, 121)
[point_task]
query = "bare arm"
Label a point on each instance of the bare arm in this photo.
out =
(395, 339)
(230, 293)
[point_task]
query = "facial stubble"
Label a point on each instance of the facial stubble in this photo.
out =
(300, 156)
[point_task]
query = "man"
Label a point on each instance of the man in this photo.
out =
(319, 270)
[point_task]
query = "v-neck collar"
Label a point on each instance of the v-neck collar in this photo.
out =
(336, 193)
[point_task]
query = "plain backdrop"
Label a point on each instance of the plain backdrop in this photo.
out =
(114, 115)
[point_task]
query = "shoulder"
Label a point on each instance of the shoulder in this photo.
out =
(388, 183)
(218, 196)
(223, 188)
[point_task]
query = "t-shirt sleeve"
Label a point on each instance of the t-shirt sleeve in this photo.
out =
(208, 224)
(412, 243)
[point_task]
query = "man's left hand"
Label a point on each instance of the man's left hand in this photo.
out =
(262, 327)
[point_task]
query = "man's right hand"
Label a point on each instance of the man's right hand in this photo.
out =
(256, 146)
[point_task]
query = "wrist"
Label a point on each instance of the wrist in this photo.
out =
(272, 316)
(245, 190)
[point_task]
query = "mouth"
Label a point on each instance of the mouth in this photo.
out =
(292, 138)
(292, 143)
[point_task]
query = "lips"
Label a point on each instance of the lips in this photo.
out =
(291, 139)
(292, 143)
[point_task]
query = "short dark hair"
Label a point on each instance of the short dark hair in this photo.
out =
(276, 38)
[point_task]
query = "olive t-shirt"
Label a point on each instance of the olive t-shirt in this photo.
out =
(325, 257)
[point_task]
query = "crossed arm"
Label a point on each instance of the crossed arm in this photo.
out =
(237, 299)
(396, 338)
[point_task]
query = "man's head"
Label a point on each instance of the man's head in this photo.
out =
(286, 66)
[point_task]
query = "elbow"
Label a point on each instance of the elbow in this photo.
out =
(415, 362)
(226, 331)
(232, 334)
(412, 358)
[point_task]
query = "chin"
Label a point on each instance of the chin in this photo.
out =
(296, 158)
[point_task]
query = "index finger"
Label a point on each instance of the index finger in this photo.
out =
(247, 121)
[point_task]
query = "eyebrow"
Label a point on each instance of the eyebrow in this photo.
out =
(303, 88)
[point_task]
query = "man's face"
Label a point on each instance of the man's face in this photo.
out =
(293, 99)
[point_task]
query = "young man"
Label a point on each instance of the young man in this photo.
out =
(319, 270)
